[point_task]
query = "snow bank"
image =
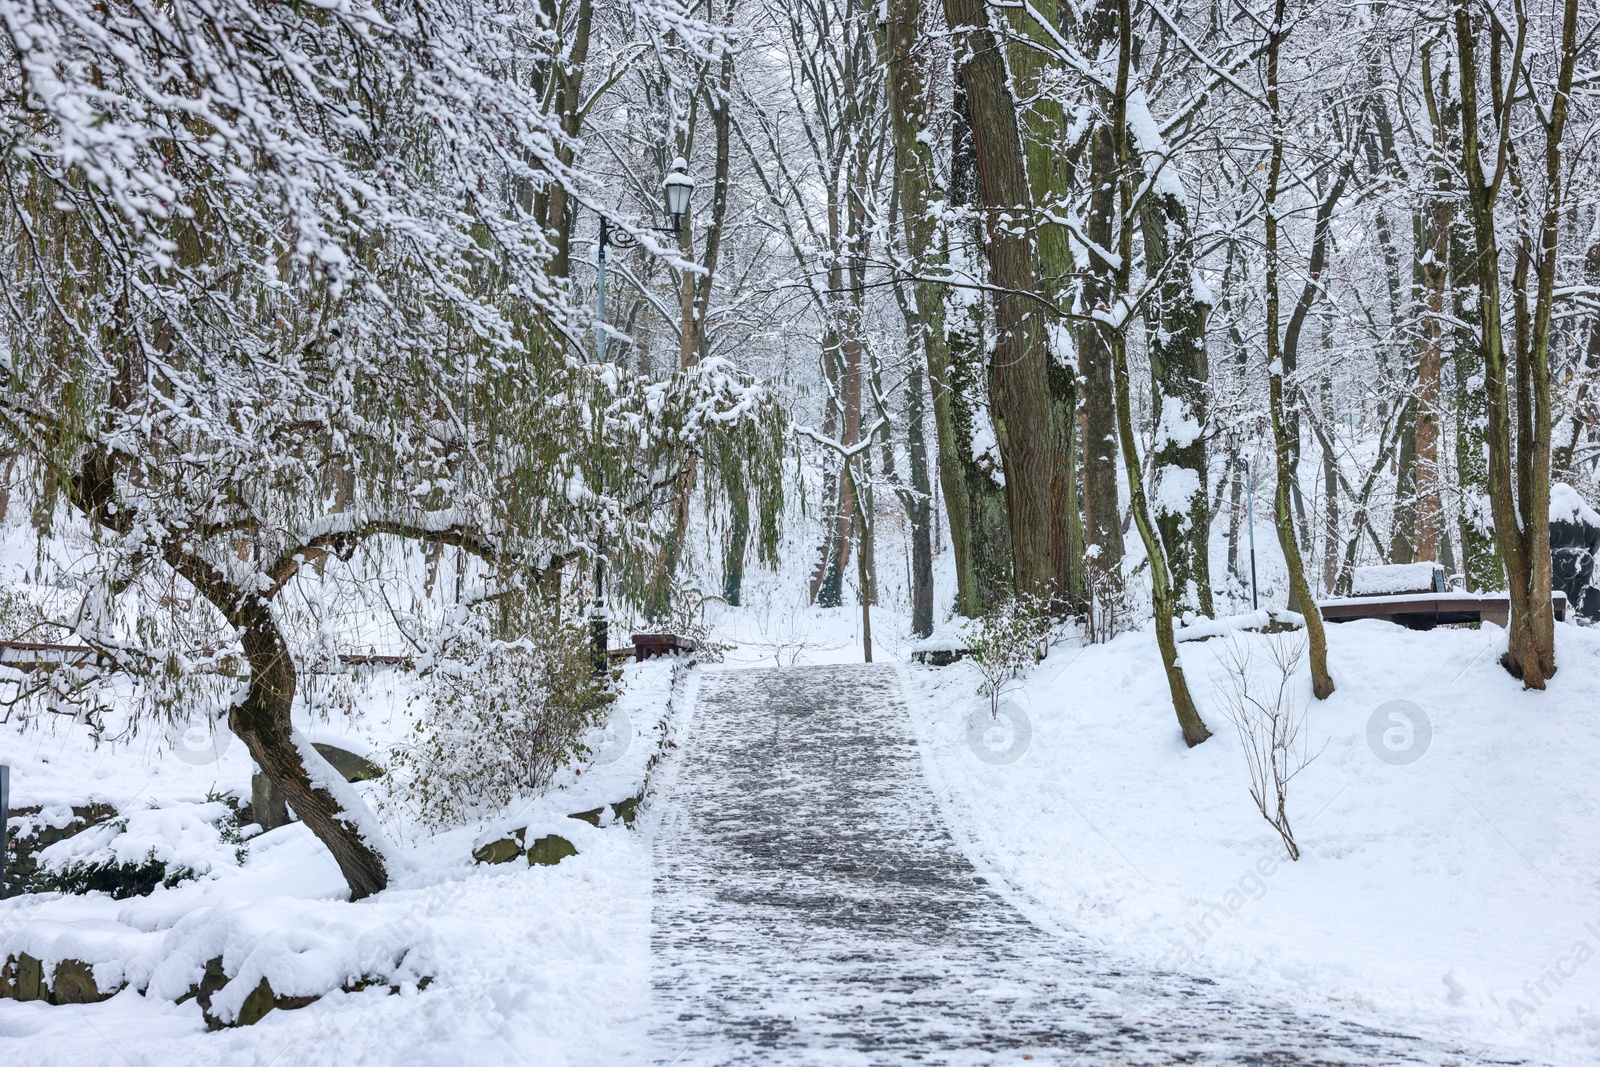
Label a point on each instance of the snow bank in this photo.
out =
(182, 836)
(546, 965)
(1438, 895)
(1259, 621)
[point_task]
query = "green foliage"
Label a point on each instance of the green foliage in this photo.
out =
(229, 827)
(18, 615)
(121, 880)
(1007, 640)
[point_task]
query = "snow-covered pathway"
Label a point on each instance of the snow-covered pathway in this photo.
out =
(811, 906)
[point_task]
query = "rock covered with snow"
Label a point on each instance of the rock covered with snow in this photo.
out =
(196, 839)
(1262, 620)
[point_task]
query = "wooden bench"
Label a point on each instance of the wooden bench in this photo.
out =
(649, 646)
(31, 655)
(1424, 611)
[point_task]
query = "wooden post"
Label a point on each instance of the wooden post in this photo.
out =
(5, 816)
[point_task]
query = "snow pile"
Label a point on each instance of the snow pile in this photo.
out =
(1394, 578)
(951, 636)
(1262, 620)
(1567, 506)
(196, 839)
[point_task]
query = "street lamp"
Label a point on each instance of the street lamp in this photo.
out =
(678, 189)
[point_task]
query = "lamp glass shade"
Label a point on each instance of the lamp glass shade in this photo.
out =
(679, 187)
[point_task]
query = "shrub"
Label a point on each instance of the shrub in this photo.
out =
(504, 715)
(1270, 715)
(1006, 641)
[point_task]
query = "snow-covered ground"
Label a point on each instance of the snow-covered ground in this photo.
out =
(1457, 892)
(527, 964)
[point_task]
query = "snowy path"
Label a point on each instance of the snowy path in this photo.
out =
(810, 906)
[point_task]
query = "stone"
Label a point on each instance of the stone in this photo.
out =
(267, 804)
(502, 851)
(268, 807)
(256, 1005)
(628, 810)
(74, 984)
(592, 817)
(550, 850)
(212, 979)
(354, 768)
(261, 1000)
(22, 978)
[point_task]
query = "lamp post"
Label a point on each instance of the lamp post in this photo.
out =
(5, 813)
(677, 190)
(1250, 512)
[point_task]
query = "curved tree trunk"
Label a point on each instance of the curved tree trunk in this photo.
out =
(262, 722)
(1116, 336)
(1299, 590)
(325, 803)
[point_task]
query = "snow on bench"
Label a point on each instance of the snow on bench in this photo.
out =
(1395, 578)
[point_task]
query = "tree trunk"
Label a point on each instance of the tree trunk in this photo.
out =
(1019, 389)
(918, 511)
(1519, 483)
(1043, 124)
(1481, 568)
(1101, 516)
(567, 105)
(1430, 374)
(262, 722)
(916, 178)
(738, 539)
(1299, 591)
(1178, 371)
(1189, 721)
(1402, 533)
(988, 527)
(1330, 497)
